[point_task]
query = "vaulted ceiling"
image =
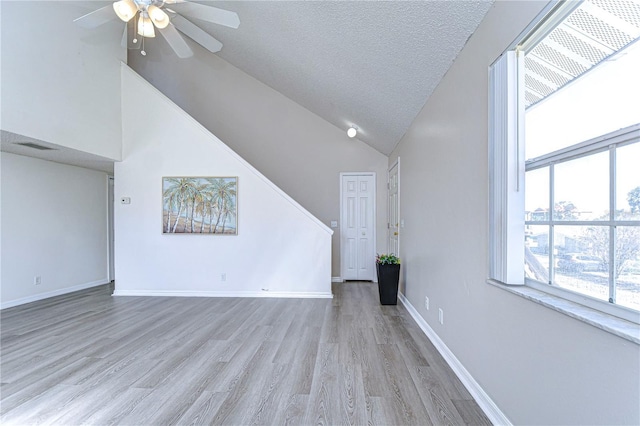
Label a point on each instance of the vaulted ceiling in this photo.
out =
(368, 64)
(371, 64)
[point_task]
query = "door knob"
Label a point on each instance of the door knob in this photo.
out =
(395, 233)
(364, 233)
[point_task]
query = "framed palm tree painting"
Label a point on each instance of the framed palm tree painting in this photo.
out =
(200, 205)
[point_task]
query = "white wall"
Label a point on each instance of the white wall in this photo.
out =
(537, 365)
(280, 249)
(54, 225)
(297, 150)
(60, 82)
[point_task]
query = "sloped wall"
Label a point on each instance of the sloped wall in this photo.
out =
(280, 249)
(297, 150)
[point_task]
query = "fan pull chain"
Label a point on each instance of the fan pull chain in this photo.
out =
(142, 52)
(135, 30)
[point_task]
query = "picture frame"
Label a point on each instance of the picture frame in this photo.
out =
(205, 205)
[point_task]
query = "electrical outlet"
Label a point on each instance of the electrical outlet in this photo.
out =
(440, 316)
(223, 277)
(37, 280)
(426, 302)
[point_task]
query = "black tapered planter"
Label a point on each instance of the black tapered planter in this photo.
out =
(388, 277)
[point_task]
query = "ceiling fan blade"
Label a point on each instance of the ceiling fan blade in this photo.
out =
(197, 34)
(96, 18)
(209, 14)
(176, 41)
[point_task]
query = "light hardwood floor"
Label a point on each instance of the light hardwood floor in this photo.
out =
(90, 358)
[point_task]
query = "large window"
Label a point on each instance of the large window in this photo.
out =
(582, 232)
(566, 156)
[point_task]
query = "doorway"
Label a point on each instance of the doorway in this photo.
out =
(358, 226)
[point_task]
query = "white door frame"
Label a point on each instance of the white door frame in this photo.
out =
(375, 218)
(395, 164)
(110, 228)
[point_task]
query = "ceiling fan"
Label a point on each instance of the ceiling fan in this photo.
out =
(153, 14)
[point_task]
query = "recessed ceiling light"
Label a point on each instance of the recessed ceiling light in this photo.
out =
(352, 131)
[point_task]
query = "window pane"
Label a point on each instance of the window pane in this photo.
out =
(536, 254)
(536, 194)
(628, 182)
(628, 266)
(600, 101)
(581, 188)
(581, 261)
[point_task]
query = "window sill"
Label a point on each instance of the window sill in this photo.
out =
(614, 325)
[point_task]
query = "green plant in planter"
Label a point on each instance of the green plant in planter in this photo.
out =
(387, 259)
(388, 269)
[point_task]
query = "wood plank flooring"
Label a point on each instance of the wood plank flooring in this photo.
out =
(90, 358)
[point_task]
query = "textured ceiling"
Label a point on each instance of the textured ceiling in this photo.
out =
(370, 64)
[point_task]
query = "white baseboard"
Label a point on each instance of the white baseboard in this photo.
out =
(36, 297)
(174, 293)
(340, 280)
(487, 405)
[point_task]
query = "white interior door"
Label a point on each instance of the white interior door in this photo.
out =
(394, 210)
(357, 230)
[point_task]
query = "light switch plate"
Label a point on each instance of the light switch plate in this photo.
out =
(334, 223)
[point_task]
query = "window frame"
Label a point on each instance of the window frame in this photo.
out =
(609, 142)
(507, 170)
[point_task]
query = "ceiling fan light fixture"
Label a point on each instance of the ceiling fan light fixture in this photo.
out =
(125, 9)
(352, 131)
(145, 16)
(158, 16)
(145, 26)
